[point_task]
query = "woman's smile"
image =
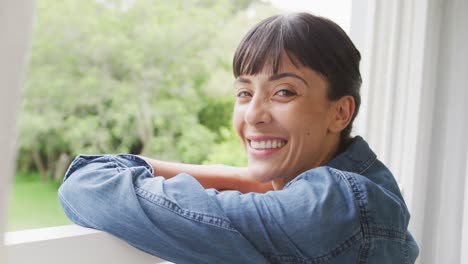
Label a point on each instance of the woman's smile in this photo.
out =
(262, 147)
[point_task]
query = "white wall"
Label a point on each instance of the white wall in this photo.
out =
(15, 26)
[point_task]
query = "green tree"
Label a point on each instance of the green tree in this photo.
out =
(129, 76)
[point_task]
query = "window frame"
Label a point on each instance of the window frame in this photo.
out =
(15, 30)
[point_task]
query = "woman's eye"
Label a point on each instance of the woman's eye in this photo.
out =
(285, 93)
(243, 94)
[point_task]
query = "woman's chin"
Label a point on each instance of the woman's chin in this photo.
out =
(261, 174)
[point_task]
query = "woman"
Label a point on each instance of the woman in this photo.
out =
(310, 194)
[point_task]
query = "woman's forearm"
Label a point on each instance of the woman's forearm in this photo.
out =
(220, 177)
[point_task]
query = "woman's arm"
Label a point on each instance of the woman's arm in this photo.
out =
(220, 177)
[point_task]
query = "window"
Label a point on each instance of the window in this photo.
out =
(113, 77)
(409, 51)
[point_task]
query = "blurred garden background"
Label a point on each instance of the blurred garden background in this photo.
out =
(142, 77)
(120, 76)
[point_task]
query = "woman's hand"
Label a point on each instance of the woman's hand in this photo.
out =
(220, 177)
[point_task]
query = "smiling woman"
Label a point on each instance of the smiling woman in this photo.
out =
(292, 72)
(274, 107)
(310, 193)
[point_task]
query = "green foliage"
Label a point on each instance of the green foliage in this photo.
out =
(216, 114)
(34, 204)
(149, 77)
(229, 152)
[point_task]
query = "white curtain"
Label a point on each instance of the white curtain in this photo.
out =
(415, 115)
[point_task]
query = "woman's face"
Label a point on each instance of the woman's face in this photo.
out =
(284, 122)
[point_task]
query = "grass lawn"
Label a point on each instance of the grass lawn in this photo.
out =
(34, 204)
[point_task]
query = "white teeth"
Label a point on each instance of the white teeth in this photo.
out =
(267, 144)
(253, 144)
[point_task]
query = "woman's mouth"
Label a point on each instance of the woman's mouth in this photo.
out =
(265, 147)
(267, 144)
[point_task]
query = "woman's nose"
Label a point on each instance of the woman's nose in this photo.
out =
(258, 112)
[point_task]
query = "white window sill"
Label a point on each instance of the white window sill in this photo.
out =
(73, 244)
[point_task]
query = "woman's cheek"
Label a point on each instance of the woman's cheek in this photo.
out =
(238, 120)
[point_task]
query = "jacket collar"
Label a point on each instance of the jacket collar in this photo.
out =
(357, 158)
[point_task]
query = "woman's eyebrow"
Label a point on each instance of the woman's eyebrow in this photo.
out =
(242, 80)
(278, 76)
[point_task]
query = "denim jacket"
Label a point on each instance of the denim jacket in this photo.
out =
(349, 211)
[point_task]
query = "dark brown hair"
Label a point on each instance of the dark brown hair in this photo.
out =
(308, 40)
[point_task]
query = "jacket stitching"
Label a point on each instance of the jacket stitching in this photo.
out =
(78, 161)
(345, 245)
(361, 166)
(363, 216)
(194, 216)
(85, 222)
(371, 162)
(88, 223)
(378, 231)
(405, 252)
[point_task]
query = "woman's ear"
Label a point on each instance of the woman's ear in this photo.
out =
(342, 113)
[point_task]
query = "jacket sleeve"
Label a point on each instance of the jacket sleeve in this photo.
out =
(178, 220)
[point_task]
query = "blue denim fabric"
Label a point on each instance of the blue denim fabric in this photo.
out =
(350, 211)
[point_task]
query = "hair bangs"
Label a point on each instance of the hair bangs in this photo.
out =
(307, 40)
(261, 50)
